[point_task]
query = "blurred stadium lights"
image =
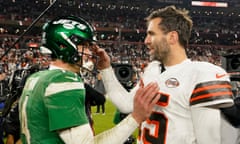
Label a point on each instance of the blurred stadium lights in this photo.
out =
(209, 4)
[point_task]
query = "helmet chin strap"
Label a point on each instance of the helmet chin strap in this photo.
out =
(93, 71)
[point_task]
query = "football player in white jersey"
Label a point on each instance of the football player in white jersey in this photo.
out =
(191, 92)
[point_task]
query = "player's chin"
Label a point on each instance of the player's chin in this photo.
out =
(151, 51)
(153, 58)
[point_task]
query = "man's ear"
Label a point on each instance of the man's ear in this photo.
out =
(173, 37)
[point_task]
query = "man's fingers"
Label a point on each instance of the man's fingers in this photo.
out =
(141, 84)
(98, 51)
(150, 91)
(155, 99)
(144, 101)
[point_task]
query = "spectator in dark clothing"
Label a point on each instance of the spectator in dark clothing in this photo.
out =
(11, 123)
(100, 88)
(1, 129)
(3, 93)
(232, 113)
(93, 98)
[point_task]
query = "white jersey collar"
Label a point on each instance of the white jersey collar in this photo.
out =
(183, 62)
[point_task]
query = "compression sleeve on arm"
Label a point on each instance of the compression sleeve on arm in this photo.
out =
(115, 135)
(119, 133)
(120, 97)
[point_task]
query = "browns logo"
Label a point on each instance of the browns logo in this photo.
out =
(172, 82)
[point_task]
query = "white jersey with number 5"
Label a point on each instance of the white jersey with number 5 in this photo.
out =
(188, 110)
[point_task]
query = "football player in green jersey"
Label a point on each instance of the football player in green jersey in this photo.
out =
(52, 107)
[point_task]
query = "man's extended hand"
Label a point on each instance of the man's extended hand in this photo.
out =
(144, 100)
(103, 60)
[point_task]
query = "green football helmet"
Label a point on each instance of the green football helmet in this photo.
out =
(62, 35)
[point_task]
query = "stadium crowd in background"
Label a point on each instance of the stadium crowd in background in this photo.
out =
(120, 30)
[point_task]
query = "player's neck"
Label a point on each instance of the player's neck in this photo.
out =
(175, 58)
(65, 66)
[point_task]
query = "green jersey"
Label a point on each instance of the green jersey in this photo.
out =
(52, 100)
